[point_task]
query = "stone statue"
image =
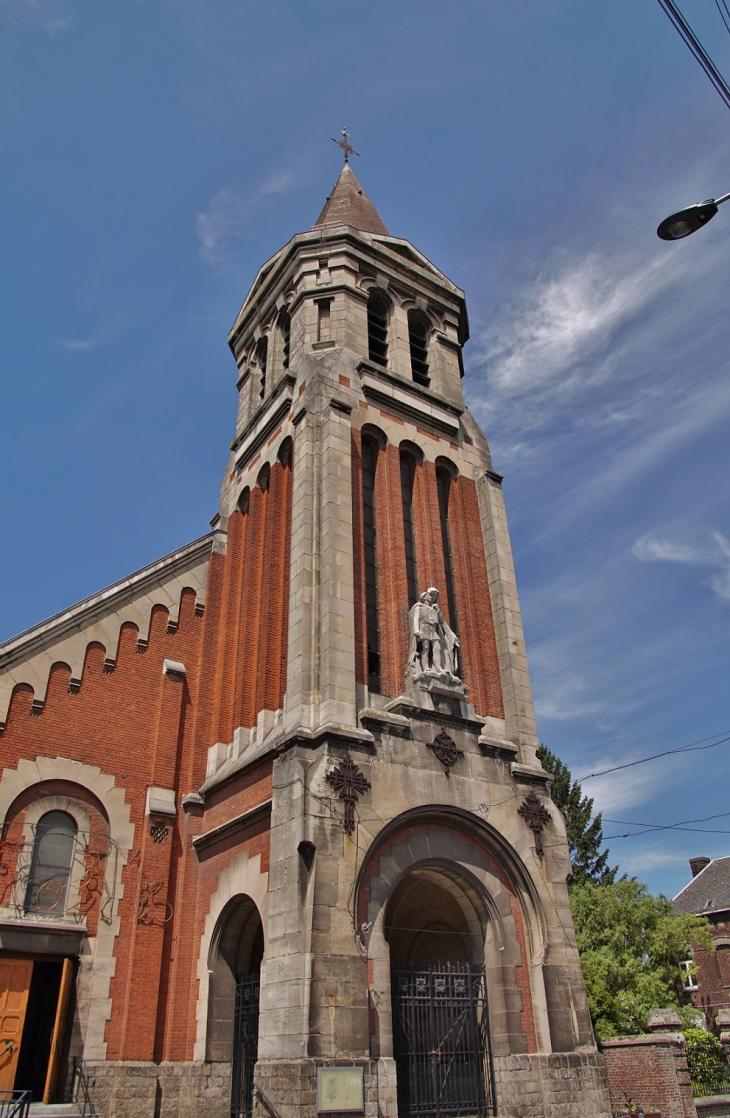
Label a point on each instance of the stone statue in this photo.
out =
(434, 648)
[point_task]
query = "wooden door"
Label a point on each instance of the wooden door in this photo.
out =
(14, 986)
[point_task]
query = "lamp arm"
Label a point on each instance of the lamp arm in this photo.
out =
(723, 198)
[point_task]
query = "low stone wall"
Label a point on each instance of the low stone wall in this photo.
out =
(651, 1070)
(713, 1106)
(291, 1086)
(552, 1086)
(130, 1089)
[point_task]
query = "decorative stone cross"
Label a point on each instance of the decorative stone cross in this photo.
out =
(446, 751)
(350, 782)
(535, 816)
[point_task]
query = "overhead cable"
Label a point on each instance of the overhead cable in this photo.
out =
(697, 49)
(724, 14)
(691, 748)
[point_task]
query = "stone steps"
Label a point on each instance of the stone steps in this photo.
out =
(54, 1110)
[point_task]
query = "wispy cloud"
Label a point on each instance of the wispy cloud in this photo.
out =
(92, 341)
(618, 791)
(230, 214)
(716, 554)
(563, 318)
(52, 15)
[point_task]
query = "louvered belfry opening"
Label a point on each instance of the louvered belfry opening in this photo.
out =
(378, 315)
(285, 329)
(418, 327)
(262, 353)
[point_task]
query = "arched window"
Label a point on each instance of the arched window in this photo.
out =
(407, 475)
(370, 554)
(262, 351)
(50, 867)
(285, 331)
(418, 328)
(378, 315)
(443, 481)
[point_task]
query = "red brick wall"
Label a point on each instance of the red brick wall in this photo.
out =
(471, 588)
(148, 728)
(471, 584)
(652, 1072)
(392, 581)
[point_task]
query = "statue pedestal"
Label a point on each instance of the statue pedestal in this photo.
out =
(439, 691)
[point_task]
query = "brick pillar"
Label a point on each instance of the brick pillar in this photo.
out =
(392, 581)
(471, 588)
(427, 519)
(152, 910)
(229, 630)
(248, 665)
(651, 1070)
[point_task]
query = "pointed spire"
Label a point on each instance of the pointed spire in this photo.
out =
(349, 203)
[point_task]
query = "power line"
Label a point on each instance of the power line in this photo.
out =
(652, 828)
(691, 748)
(724, 15)
(695, 46)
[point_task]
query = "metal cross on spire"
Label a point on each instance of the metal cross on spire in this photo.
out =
(346, 145)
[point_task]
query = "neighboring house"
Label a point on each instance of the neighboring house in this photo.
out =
(707, 975)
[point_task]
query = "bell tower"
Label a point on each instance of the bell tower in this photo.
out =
(276, 840)
(370, 642)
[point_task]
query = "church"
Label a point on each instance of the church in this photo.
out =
(275, 839)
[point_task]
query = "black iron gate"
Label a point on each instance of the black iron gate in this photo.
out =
(441, 1041)
(245, 1044)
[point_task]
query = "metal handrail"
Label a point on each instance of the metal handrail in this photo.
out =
(82, 1081)
(268, 1106)
(16, 1106)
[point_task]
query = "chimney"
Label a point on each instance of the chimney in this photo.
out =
(698, 864)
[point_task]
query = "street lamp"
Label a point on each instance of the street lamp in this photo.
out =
(690, 220)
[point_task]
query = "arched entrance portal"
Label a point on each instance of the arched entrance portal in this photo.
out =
(436, 926)
(236, 952)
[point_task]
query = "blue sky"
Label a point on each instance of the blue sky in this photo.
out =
(156, 153)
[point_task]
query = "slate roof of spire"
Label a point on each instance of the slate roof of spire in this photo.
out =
(708, 892)
(349, 203)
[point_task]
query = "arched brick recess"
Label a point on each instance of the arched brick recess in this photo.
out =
(97, 964)
(242, 876)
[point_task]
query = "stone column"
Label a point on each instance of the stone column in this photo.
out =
(321, 658)
(514, 675)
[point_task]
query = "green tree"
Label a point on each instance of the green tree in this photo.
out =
(631, 945)
(585, 832)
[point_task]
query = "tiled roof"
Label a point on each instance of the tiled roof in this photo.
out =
(708, 892)
(349, 203)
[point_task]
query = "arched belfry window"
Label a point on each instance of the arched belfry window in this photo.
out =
(50, 867)
(370, 556)
(407, 478)
(262, 353)
(264, 477)
(378, 316)
(285, 331)
(418, 330)
(443, 482)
